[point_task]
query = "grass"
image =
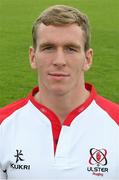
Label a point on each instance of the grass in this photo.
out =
(16, 18)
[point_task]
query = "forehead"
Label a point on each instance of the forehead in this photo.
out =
(66, 33)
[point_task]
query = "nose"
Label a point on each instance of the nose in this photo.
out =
(59, 59)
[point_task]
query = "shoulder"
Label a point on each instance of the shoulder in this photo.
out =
(11, 108)
(108, 106)
(8, 110)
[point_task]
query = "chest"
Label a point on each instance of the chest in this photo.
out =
(82, 150)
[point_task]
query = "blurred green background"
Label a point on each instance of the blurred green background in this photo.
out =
(16, 19)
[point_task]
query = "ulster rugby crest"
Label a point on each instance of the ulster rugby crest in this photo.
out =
(97, 161)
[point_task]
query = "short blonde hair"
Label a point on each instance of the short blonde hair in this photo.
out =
(61, 15)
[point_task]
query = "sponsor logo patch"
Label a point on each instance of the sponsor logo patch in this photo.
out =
(19, 157)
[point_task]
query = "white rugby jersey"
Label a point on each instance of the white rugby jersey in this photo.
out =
(34, 145)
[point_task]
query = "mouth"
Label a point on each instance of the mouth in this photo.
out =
(58, 75)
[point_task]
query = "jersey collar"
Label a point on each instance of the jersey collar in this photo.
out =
(51, 115)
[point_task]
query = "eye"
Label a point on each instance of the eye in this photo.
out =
(71, 50)
(47, 48)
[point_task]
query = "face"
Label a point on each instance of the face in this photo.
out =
(60, 58)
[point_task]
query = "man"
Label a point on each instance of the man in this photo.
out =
(63, 129)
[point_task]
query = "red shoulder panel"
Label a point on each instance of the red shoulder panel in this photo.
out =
(9, 109)
(110, 107)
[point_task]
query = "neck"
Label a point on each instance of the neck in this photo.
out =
(62, 105)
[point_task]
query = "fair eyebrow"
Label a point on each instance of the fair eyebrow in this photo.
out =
(45, 44)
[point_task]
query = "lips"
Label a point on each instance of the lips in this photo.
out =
(58, 75)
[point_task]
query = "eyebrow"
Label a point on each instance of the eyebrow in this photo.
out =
(77, 46)
(45, 44)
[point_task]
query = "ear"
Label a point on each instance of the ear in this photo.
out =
(32, 58)
(88, 59)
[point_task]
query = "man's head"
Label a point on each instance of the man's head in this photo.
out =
(60, 52)
(61, 15)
